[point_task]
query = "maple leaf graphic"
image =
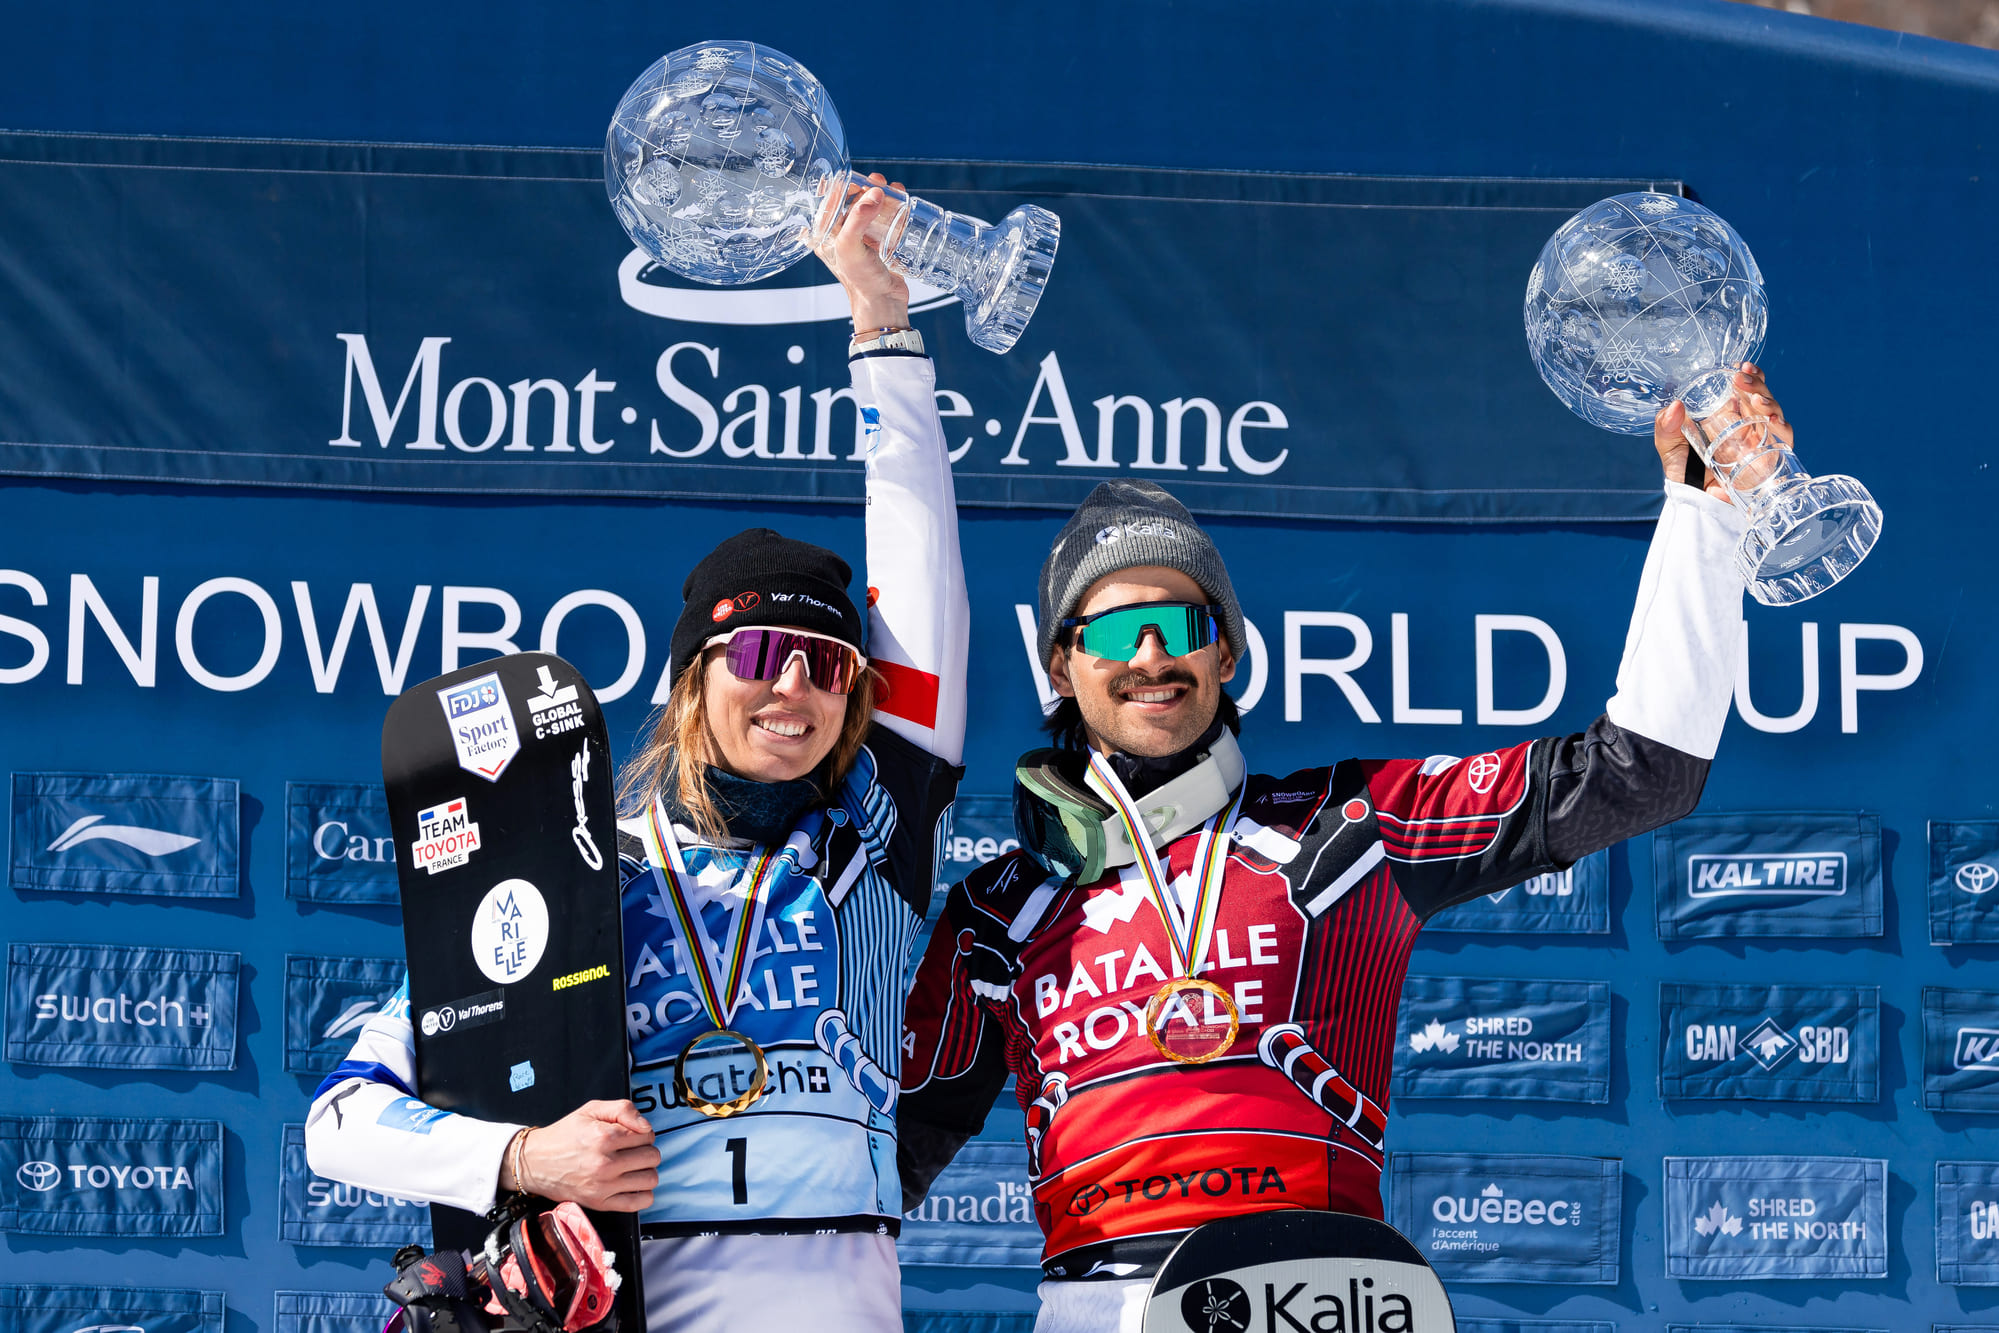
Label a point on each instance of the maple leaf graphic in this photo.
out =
(1433, 1037)
(1718, 1218)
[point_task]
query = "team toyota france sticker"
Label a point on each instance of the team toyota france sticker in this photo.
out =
(482, 725)
(446, 837)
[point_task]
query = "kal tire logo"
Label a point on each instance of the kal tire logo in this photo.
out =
(482, 726)
(151, 841)
(1758, 874)
(1215, 1305)
(1977, 1048)
(41, 1177)
(1976, 877)
(1482, 772)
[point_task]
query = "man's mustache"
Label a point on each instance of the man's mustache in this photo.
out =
(1138, 680)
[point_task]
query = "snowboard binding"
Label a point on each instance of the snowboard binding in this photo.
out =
(540, 1271)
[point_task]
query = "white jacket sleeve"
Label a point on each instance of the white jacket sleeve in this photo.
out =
(367, 1128)
(1677, 680)
(919, 618)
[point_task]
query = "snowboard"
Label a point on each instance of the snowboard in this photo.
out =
(500, 798)
(1285, 1268)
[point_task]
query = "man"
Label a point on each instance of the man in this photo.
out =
(1201, 1016)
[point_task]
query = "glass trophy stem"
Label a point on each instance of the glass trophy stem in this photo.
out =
(998, 271)
(1805, 533)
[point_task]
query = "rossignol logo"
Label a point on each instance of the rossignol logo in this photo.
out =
(598, 973)
(1794, 875)
(1492, 1206)
(446, 837)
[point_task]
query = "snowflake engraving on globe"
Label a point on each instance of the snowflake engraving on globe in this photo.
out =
(1632, 299)
(726, 159)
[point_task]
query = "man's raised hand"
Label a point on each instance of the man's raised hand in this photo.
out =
(600, 1155)
(1752, 392)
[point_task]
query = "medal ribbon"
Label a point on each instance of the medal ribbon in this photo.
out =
(1187, 933)
(718, 994)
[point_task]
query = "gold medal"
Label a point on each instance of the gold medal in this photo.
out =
(720, 1073)
(1191, 1020)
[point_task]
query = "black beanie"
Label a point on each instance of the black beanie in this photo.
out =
(760, 577)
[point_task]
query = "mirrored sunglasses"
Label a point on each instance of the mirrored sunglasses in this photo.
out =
(763, 654)
(1117, 634)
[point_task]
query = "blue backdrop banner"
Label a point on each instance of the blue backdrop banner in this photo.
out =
(979, 1212)
(1964, 871)
(1507, 1217)
(1490, 1037)
(329, 1312)
(108, 1006)
(1759, 1328)
(1575, 901)
(138, 833)
(1960, 1049)
(326, 1002)
(476, 320)
(1968, 1223)
(1796, 873)
(967, 1321)
(1770, 1043)
(337, 844)
(1776, 1217)
(315, 1211)
(1535, 1326)
(81, 1176)
(34, 1308)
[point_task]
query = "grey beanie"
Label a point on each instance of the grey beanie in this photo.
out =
(1123, 524)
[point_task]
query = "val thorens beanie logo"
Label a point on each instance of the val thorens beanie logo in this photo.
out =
(728, 606)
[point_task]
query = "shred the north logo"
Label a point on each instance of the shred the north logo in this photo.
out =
(1433, 1037)
(1717, 1220)
(446, 837)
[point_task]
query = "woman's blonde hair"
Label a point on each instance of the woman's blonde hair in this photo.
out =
(679, 748)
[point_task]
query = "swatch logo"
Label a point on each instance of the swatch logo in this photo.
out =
(151, 841)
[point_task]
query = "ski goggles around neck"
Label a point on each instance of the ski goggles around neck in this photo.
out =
(763, 654)
(1119, 633)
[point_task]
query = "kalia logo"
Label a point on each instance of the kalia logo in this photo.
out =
(151, 841)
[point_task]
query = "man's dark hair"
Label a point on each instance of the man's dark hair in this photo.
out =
(1065, 724)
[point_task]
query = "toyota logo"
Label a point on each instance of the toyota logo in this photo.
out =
(40, 1177)
(1977, 877)
(1087, 1200)
(1482, 772)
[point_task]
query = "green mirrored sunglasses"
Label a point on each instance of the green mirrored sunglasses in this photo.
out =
(1117, 634)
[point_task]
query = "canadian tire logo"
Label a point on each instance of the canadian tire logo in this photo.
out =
(1087, 1200)
(41, 1177)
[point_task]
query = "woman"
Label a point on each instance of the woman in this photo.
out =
(776, 852)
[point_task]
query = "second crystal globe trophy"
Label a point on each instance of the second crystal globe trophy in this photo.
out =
(726, 162)
(1645, 298)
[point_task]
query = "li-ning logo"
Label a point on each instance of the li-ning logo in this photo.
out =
(1976, 877)
(151, 841)
(350, 1019)
(41, 1177)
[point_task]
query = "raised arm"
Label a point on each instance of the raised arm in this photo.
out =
(919, 618)
(1478, 825)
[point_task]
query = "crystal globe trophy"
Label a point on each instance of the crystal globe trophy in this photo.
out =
(1645, 298)
(726, 162)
